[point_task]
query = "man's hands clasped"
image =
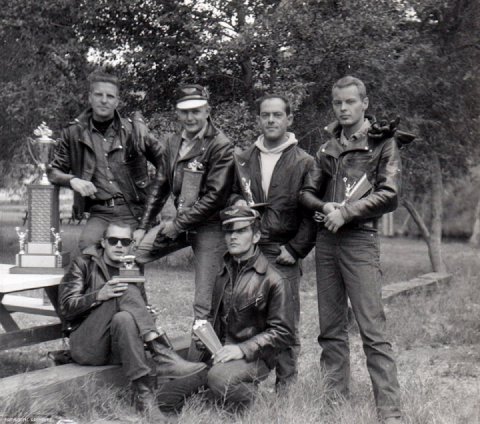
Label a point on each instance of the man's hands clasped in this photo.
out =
(334, 219)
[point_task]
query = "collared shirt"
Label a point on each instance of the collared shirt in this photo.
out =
(187, 143)
(347, 142)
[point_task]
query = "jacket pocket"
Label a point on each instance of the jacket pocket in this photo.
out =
(252, 302)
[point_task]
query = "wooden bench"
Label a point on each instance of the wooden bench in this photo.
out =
(28, 305)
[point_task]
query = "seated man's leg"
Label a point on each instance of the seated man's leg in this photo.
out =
(94, 227)
(90, 343)
(236, 381)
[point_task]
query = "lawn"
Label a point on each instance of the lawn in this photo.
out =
(436, 339)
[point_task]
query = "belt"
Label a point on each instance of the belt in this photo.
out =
(110, 203)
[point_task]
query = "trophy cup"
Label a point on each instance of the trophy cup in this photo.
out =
(353, 191)
(129, 272)
(205, 332)
(40, 245)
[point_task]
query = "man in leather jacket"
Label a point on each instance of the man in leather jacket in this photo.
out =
(103, 158)
(196, 167)
(251, 314)
(109, 323)
(347, 250)
(272, 172)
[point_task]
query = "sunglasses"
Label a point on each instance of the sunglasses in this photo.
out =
(113, 241)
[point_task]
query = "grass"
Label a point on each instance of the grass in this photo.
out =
(436, 339)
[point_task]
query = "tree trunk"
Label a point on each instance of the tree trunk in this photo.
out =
(475, 237)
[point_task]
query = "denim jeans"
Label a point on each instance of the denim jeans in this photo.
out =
(209, 246)
(100, 218)
(348, 266)
(112, 334)
(286, 367)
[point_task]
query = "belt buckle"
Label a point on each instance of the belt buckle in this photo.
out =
(110, 202)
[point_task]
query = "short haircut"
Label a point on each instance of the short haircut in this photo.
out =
(259, 102)
(256, 226)
(121, 224)
(349, 80)
(102, 76)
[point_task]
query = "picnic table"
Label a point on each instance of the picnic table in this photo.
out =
(12, 301)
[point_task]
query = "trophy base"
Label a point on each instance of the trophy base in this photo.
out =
(131, 280)
(40, 263)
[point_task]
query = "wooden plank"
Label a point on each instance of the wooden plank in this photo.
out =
(28, 305)
(10, 283)
(5, 319)
(422, 284)
(29, 336)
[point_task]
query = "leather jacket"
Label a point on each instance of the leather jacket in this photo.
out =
(74, 157)
(215, 152)
(260, 317)
(78, 290)
(284, 220)
(335, 168)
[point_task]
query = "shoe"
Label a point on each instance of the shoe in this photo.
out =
(169, 364)
(145, 401)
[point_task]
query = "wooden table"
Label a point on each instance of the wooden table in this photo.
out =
(11, 302)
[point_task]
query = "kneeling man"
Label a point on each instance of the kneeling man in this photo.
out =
(251, 313)
(109, 322)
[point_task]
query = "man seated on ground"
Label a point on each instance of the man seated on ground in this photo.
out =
(251, 313)
(109, 322)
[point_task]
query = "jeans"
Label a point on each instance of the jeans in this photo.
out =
(112, 334)
(208, 244)
(286, 367)
(235, 382)
(100, 218)
(348, 265)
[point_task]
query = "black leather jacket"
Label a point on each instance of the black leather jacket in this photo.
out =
(77, 292)
(284, 220)
(74, 157)
(215, 152)
(335, 167)
(260, 319)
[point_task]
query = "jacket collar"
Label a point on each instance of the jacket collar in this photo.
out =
(259, 263)
(96, 255)
(333, 147)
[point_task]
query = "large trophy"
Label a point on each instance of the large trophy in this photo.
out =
(40, 245)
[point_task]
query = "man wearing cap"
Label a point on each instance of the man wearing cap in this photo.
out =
(103, 158)
(251, 314)
(196, 167)
(272, 172)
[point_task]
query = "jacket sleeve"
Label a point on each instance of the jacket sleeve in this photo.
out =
(304, 240)
(218, 184)
(279, 324)
(74, 297)
(59, 168)
(386, 187)
(145, 140)
(310, 197)
(159, 189)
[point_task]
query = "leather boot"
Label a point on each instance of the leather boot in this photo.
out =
(169, 364)
(145, 400)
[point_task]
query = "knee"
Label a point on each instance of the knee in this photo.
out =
(122, 321)
(218, 380)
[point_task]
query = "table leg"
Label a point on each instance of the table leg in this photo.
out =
(6, 319)
(52, 293)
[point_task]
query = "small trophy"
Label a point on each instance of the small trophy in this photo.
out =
(129, 272)
(247, 191)
(192, 180)
(205, 332)
(57, 244)
(22, 235)
(353, 191)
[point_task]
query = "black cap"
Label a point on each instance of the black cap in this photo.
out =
(191, 96)
(237, 217)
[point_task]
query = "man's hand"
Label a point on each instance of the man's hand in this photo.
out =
(84, 187)
(334, 220)
(228, 353)
(284, 257)
(138, 236)
(330, 207)
(169, 229)
(112, 288)
(241, 202)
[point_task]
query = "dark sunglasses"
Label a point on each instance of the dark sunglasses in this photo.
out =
(113, 241)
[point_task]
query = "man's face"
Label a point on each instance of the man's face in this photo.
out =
(103, 98)
(348, 106)
(241, 242)
(117, 235)
(193, 120)
(273, 119)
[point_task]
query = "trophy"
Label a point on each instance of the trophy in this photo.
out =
(205, 332)
(40, 245)
(353, 191)
(129, 272)
(192, 179)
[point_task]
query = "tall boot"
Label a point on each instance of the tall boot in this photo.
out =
(169, 364)
(145, 400)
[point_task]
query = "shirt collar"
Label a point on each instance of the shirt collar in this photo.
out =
(197, 136)
(344, 141)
